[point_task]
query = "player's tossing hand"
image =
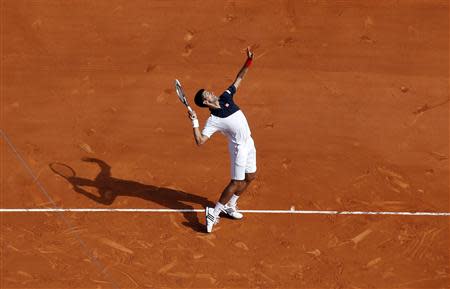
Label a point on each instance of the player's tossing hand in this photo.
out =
(249, 53)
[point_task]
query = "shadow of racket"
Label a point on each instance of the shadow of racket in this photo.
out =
(62, 170)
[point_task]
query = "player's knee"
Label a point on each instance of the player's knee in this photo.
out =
(250, 177)
(238, 184)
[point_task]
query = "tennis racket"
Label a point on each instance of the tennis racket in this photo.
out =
(181, 94)
(62, 170)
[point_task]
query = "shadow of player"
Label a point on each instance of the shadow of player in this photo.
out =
(109, 188)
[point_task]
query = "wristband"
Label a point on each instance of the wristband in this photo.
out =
(195, 123)
(248, 63)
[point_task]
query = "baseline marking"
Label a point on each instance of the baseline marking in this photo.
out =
(39, 210)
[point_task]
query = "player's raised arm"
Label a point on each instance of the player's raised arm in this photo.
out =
(244, 69)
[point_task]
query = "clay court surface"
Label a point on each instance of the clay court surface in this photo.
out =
(348, 106)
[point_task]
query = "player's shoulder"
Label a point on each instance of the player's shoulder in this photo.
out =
(230, 91)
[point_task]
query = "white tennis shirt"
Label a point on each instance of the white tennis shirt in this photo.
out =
(228, 119)
(235, 127)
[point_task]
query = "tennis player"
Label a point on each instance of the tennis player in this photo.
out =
(227, 118)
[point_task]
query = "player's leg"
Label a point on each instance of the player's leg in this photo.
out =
(249, 177)
(236, 184)
(230, 207)
(212, 214)
(234, 187)
(250, 169)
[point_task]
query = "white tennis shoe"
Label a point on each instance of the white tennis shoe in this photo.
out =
(211, 220)
(232, 211)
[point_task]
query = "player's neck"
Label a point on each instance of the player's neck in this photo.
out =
(215, 105)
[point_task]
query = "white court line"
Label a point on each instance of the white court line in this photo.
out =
(39, 210)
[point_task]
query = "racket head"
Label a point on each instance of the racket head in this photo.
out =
(62, 170)
(180, 93)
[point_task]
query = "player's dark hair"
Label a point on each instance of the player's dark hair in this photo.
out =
(199, 98)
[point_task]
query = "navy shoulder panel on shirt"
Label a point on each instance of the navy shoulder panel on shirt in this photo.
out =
(230, 91)
(227, 105)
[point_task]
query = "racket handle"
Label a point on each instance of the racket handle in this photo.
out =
(189, 108)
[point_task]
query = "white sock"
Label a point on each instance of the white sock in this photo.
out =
(218, 208)
(232, 202)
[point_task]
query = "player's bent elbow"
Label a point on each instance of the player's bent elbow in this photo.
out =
(199, 141)
(202, 140)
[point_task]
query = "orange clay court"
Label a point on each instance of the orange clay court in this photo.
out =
(348, 103)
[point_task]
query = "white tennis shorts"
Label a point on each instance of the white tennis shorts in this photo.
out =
(242, 159)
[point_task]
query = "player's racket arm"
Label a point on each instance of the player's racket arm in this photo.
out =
(199, 138)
